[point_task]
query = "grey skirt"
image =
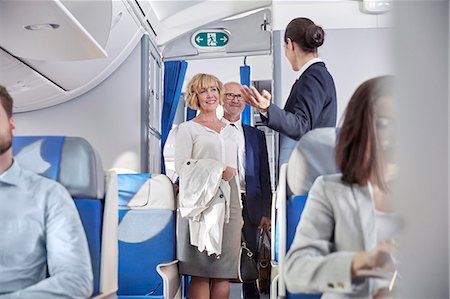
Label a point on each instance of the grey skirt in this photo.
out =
(195, 263)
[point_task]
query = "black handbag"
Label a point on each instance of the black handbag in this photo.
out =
(264, 265)
(247, 268)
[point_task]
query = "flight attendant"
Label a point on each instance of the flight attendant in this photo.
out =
(312, 100)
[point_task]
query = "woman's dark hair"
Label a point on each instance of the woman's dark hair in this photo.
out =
(6, 101)
(305, 33)
(358, 151)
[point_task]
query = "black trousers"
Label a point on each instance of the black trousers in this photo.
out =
(250, 231)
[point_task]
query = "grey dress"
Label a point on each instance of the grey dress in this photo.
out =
(195, 141)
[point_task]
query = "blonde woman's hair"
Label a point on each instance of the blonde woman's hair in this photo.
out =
(198, 82)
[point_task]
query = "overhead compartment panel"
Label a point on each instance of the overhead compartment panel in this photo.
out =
(47, 30)
(37, 84)
(124, 36)
(25, 85)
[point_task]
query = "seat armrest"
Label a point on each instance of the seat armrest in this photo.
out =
(282, 225)
(171, 279)
(273, 287)
(110, 256)
(273, 277)
(273, 217)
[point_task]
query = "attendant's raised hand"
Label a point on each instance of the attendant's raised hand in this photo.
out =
(255, 99)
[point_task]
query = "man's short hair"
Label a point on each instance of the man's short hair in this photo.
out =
(6, 101)
(232, 83)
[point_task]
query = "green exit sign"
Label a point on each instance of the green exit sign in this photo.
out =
(210, 39)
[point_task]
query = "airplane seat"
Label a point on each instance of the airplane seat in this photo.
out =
(313, 156)
(147, 239)
(73, 162)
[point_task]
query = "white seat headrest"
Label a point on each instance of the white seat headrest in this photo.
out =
(313, 156)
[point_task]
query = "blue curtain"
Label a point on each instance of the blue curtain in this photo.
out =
(190, 113)
(174, 72)
(245, 80)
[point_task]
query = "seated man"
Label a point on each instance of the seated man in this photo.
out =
(43, 247)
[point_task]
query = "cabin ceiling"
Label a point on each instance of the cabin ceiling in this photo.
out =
(54, 50)
(166, 9)
(171, 19)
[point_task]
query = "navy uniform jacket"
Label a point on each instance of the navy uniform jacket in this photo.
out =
(258, 194)
(311, 104)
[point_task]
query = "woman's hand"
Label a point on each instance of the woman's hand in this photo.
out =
(257, 100)
(229, 173)
(264, 223)
(379, 257)
(383, 294)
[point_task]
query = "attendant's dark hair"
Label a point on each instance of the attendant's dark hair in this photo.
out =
(305, 33)
(6, 101)
(358, 151)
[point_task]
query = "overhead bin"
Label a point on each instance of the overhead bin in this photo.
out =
(47, 30)
(36, 84)
(123, 37)
(24, 83)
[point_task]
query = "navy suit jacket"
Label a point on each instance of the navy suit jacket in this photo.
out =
(311, 104)
(258, 194)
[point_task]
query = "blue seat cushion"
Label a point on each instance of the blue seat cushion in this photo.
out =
(303, 296)
(91, 214)
(43, 151)
(129, 184)
(146, 239)
(294, 210)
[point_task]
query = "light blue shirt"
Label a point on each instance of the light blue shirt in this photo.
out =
(39, 228)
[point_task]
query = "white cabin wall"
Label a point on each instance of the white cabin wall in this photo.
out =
(227, 69)
(331, 14)
(108, 116)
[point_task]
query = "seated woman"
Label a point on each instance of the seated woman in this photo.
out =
(348, 221)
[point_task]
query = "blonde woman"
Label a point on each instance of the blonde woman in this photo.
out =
(209, 218)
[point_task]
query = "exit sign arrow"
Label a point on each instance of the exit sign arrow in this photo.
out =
(198, 39)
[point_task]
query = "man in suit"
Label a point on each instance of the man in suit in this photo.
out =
(253, 173)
